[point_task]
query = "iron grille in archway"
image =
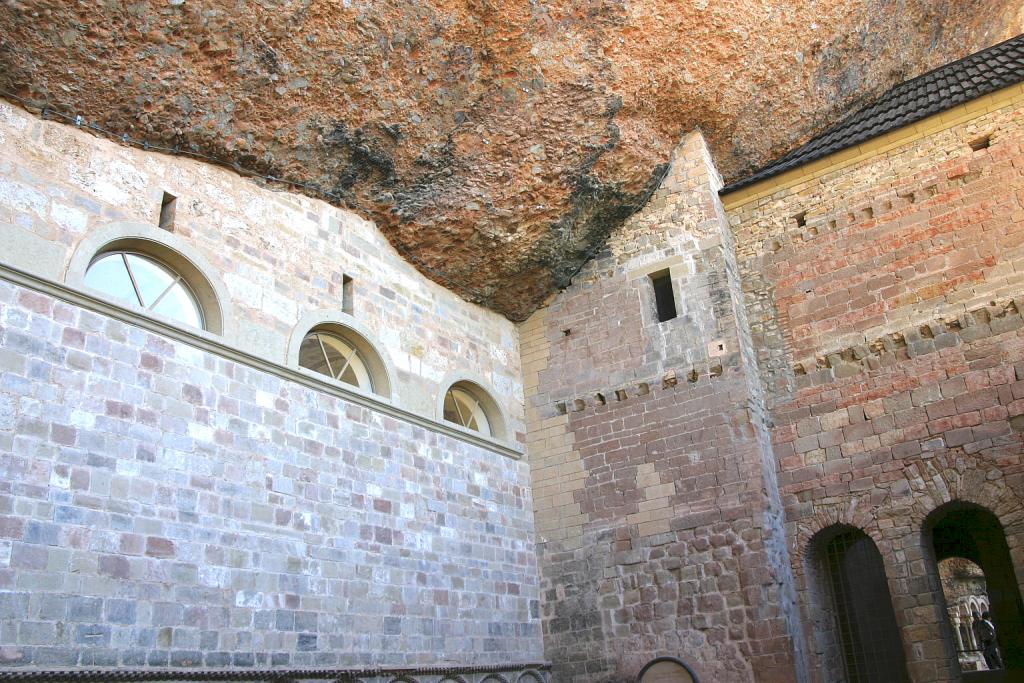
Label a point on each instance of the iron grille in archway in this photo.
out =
(870, 639)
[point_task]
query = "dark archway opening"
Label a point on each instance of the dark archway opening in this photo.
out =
(854, 593)
(964, 530)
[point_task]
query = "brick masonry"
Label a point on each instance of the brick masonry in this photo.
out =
(848, 351)
(884, 300)
(658, 532)
(163, 506)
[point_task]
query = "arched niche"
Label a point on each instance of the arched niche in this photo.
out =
(854, 622)
(666, 670)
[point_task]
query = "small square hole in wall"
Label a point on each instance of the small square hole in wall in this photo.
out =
(664, 298)
(347, 294)
(167, 205)
(978, 144)
(801, 219)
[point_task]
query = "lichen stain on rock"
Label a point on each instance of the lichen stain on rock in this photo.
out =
(495, 143)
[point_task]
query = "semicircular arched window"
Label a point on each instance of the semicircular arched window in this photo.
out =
(143, 281)
(463, 408)
(336, 355)
(468, 405)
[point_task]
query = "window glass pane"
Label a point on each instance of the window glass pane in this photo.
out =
(159, 286)
(333, 356)
(450, 413)
(179, 304)
(150, 278)
(466, 409)
(311, 356)
(462, 408)
(349, 376)
(337, 351)
(109, 276)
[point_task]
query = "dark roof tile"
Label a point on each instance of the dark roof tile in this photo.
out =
(944, 88)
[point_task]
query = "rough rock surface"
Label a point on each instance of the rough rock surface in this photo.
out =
(496, 142)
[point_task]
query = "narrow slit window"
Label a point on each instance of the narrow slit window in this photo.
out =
(347, 288)
(664, 299)
(167, 211)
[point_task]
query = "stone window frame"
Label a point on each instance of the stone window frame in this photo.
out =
(171, 251)
(678, 272)
(341, 324)
(484, 394)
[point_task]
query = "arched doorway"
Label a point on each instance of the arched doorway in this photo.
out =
(857, 627)
(666, 670)
(974, 536)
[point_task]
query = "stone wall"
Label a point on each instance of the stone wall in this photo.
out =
(884, 299)
(848, 352)
(658, 533)
(161, 505)
(188, 498)
(281, 258)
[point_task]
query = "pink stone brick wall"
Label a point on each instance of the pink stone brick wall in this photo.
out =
(890, 341)
(849, 353)
(657, 532)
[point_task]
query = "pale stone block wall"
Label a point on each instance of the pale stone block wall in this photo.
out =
(161, 505)
(281, 257)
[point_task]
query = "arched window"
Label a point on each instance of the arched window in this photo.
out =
(857, 628)
(143, 281)
(330, 354)
(468, 405)
(339, 352)
(463, 408)
(972, 538)
(145, 268)
(666, 670)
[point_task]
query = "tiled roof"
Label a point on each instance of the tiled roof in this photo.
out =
(983, 72)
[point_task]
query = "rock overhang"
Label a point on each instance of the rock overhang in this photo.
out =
(496, 144)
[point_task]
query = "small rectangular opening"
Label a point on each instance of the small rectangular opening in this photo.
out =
(347, 304)
(801, 219)
(167, 211)
(664, 299)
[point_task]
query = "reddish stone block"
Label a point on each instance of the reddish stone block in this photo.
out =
(159, 547)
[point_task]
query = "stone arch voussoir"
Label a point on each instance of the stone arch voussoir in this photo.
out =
(858, 512)
(956, 476)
